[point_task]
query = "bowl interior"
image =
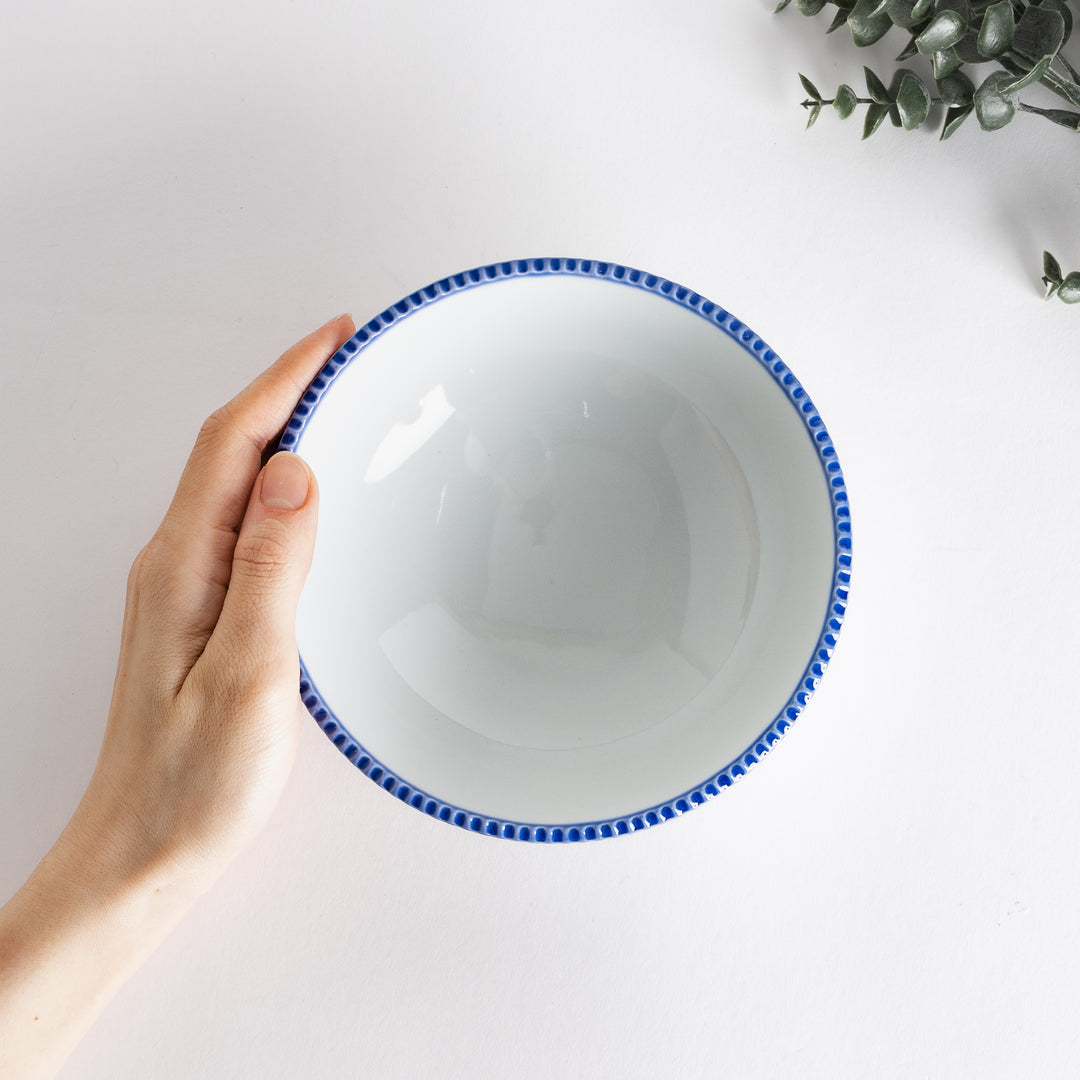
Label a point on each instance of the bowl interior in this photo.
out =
(575, 551)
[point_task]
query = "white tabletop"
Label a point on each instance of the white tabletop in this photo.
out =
(188, 189)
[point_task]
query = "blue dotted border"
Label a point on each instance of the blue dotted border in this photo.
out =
(785, 379)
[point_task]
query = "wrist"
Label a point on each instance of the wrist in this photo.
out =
(130, 853)
(111, 855)
(84, 895)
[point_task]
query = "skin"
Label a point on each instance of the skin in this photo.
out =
(202, 728)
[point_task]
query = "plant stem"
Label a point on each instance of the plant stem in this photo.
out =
(1069, 89)
(1063, 87)
(1070, 120)
(809, 103)
(1073, 74)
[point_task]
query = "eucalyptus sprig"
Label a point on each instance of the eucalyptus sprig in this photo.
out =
(1020, 42)
(1065, 288)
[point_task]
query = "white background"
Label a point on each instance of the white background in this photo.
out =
(189, 188)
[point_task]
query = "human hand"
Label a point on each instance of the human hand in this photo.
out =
(201, 731)
(203, 723)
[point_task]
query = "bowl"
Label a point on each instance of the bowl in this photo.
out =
(583, 549)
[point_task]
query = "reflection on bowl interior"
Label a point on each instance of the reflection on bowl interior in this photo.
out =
(550, 599)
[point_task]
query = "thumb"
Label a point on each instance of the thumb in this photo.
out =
(257, 626)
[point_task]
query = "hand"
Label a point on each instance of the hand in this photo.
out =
(203, 724)
(202, 728)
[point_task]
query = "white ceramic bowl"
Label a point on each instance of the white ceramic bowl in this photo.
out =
(583, 549)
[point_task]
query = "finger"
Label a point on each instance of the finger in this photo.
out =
(253, 646)
(200, 527)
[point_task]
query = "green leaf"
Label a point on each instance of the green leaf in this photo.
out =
(1036, 73)
(876, 88)
(1063, 10)
(961, 7)
(874, 115)
(912, 100)
(901, 13)
(866, 26)
(1063, 117)
(946, 62)
(809, 87)
(954, 117)
(1069, 289)
(968, 49)
(1051, 268)
(1040, 32)
(780, 7)
(944, 31)
(1051, 289)
(838, 20)
(815, 112)
(908, 52)
(809, 7)
(956, 90)
(996, 32)
(921, 9)
(993, 107)
(845, 101)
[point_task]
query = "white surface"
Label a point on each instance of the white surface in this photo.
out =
(576, 549)
(187, 190)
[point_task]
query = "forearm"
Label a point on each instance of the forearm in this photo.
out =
(202, 728)
(69, 939)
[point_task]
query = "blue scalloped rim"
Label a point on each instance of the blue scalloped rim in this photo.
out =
(785, 379)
